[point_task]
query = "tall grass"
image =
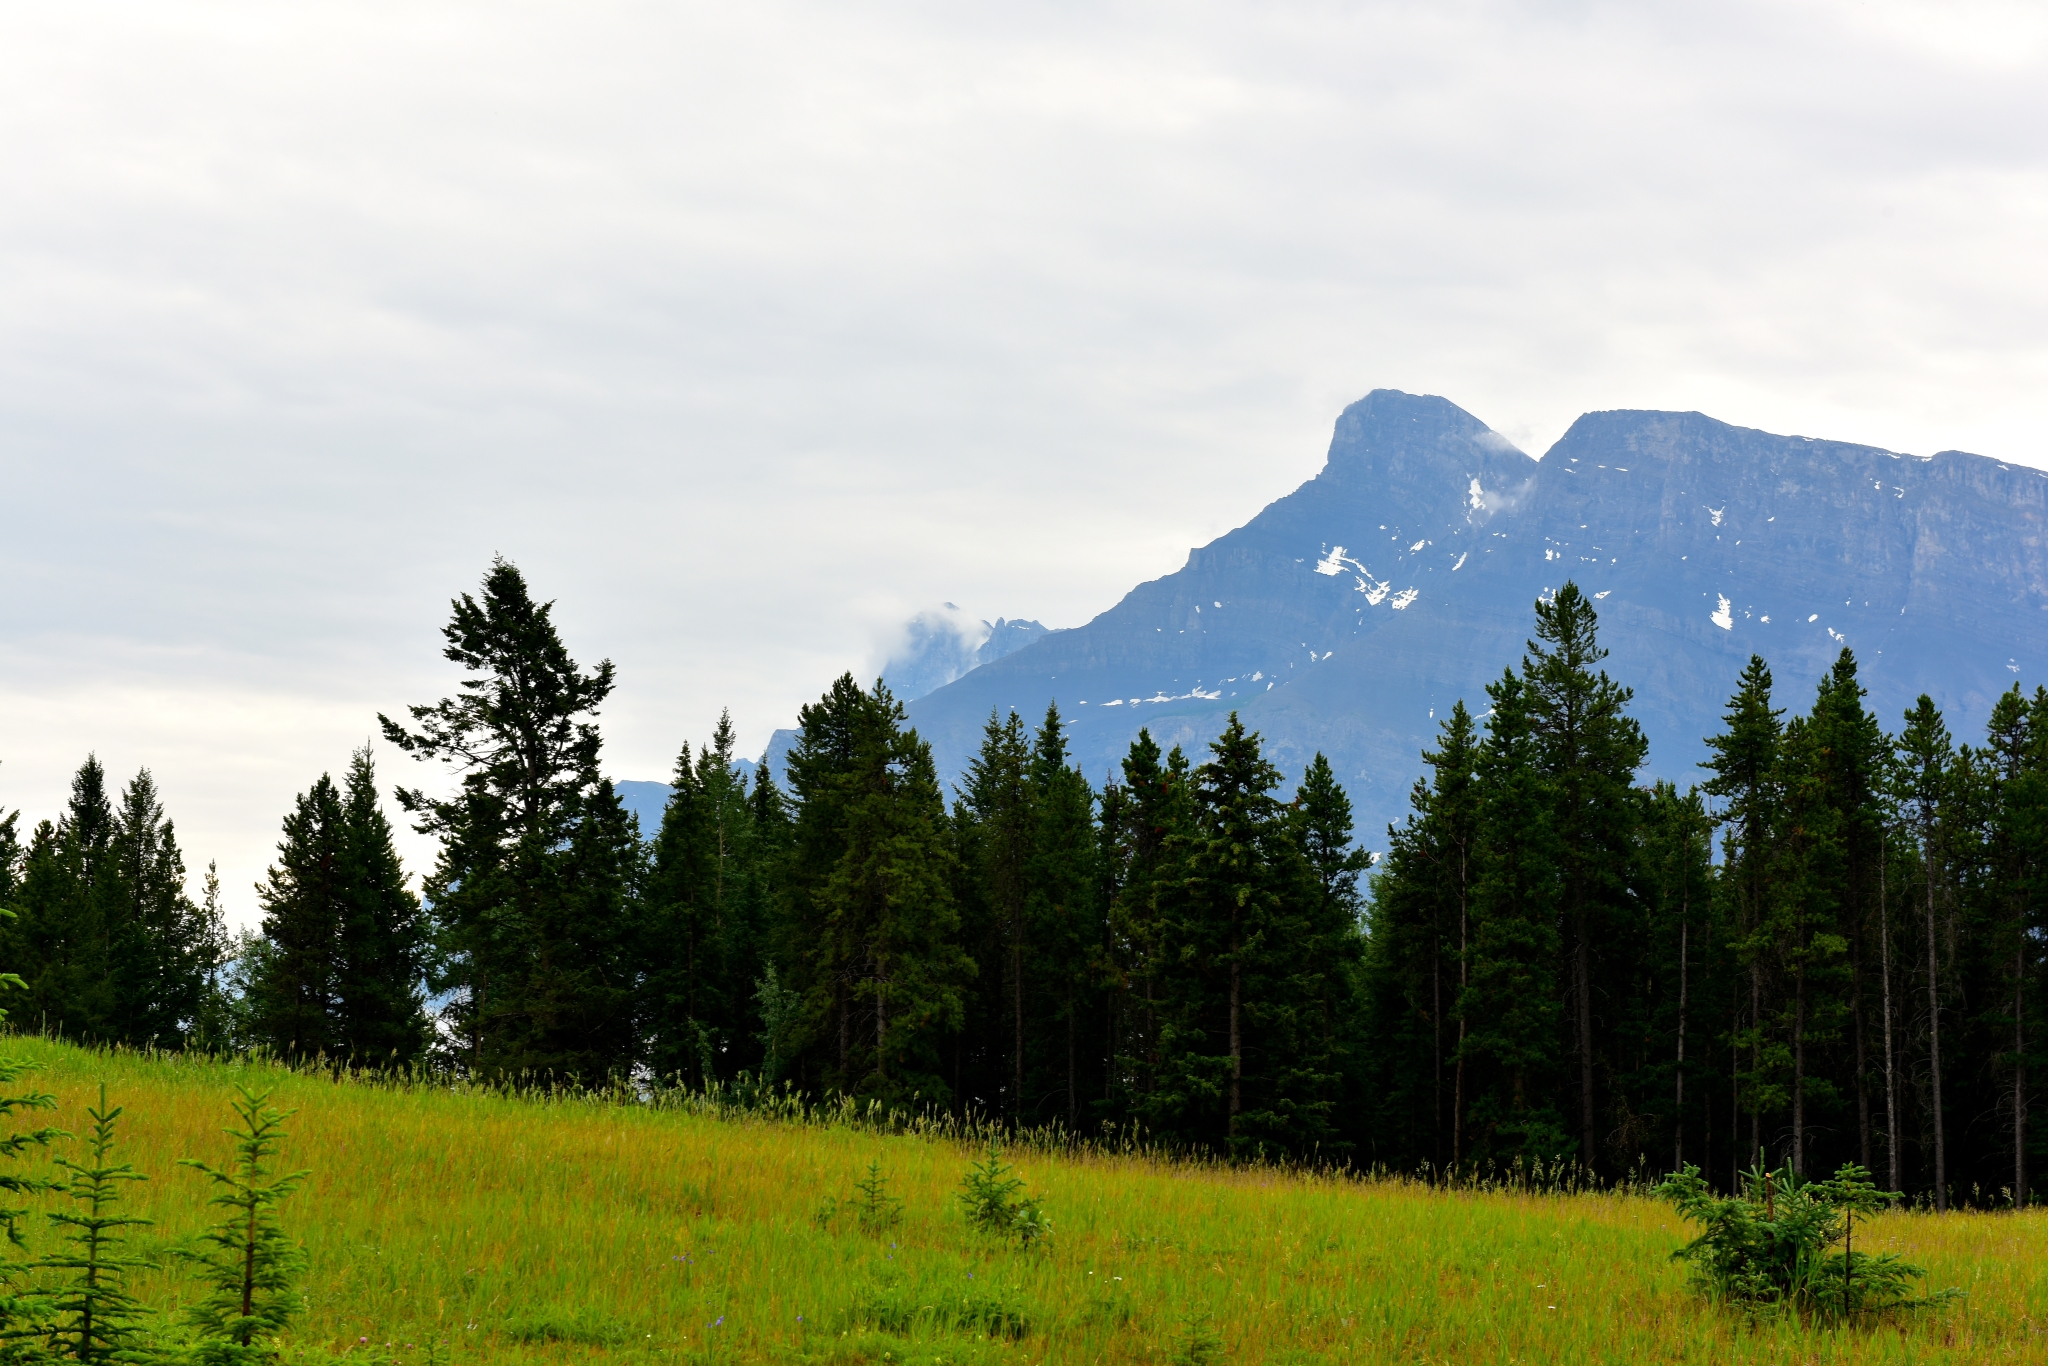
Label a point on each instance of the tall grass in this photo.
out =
(569, 1228)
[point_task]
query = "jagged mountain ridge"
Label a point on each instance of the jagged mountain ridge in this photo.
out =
(1350, 614)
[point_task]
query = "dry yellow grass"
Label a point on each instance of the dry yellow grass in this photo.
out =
(520, 1231)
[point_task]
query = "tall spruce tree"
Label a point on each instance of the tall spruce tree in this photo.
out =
(1682, 990)
(341, 969)
(1417, 965)
(873, 932)
(1746, 768)
(161, 948)
(114, 949)
(1589, 749)
(1144, 821)
(537, 867)
(1236, 1067)
(1066, 916)
(997, 830)
(706, 904)
(62, 937)
(1512, 1003)
(381, 1004)
(294, 991)
(1928, 778)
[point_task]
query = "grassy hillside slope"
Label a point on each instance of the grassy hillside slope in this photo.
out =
(519, 1231)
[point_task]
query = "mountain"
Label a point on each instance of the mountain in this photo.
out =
(647, 800)
(1349, 615)
(937, 646)
(942, 643)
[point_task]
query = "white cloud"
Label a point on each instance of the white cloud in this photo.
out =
(747, 330)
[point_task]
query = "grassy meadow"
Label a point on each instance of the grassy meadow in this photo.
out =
(520, 1231)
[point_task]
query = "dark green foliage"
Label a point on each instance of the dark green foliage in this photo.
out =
(249, 1265)
(24, 1315)
(539, 861)
(710, 892)
(340, 972)
(1767, 1247)
(992, 1196)
(872, 929)
(1512, 1006)
(876, 1210)
(96, 1316)
(112, 947)
(1244, 958)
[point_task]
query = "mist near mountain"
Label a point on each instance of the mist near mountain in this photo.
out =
(942, 643)
(1348, 616)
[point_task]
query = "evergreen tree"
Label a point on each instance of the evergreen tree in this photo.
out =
(1416, 964)
(1512, 1004)
(997, 830)
(705, 908)
(1326, 951)
(1589, 749)
(160, 947)
(294, 1005)
(1066, 917)
(1144, 819)
(97, 1316)
(61, 939)
(249, 1264)
(1746, 768)
(1234, 1072)
(380, 968)
(24, 1310)
(1683, 988)
(1928, 779)
(114, 950)
(873, 927)
(537, 862)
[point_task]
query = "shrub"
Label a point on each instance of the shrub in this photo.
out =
(992, 1194)
(1766, 1247)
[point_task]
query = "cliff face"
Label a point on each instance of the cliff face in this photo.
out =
(1349, 615)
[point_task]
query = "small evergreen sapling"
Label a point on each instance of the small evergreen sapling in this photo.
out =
(992, 1194)
(24, 1320)
(878, 1211)
(1767, 1247)
(98, 1315)
(250, 1263)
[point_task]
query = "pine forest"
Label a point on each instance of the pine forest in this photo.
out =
(1825, 950)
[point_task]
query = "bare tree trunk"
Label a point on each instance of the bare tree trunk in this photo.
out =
(1436, 1040)
(1017, 1010)
(1585, 993)
(1891, 1087)
(1934, 1048)
(1684, 936)
(1735, 1098)
(1862, 1065)
(1756, 1060)
(2019, 1078)
(1458, 1096)
(1799, 1074)
(1073, 1048)
(1236, 1041)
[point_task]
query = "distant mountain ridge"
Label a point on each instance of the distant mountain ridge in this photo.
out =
(1348, 616)
(942, 643)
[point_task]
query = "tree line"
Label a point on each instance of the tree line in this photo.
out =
(1824, 951)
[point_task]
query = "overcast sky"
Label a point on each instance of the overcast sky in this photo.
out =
(748, 330)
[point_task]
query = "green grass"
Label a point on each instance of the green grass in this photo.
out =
(520, 1231)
